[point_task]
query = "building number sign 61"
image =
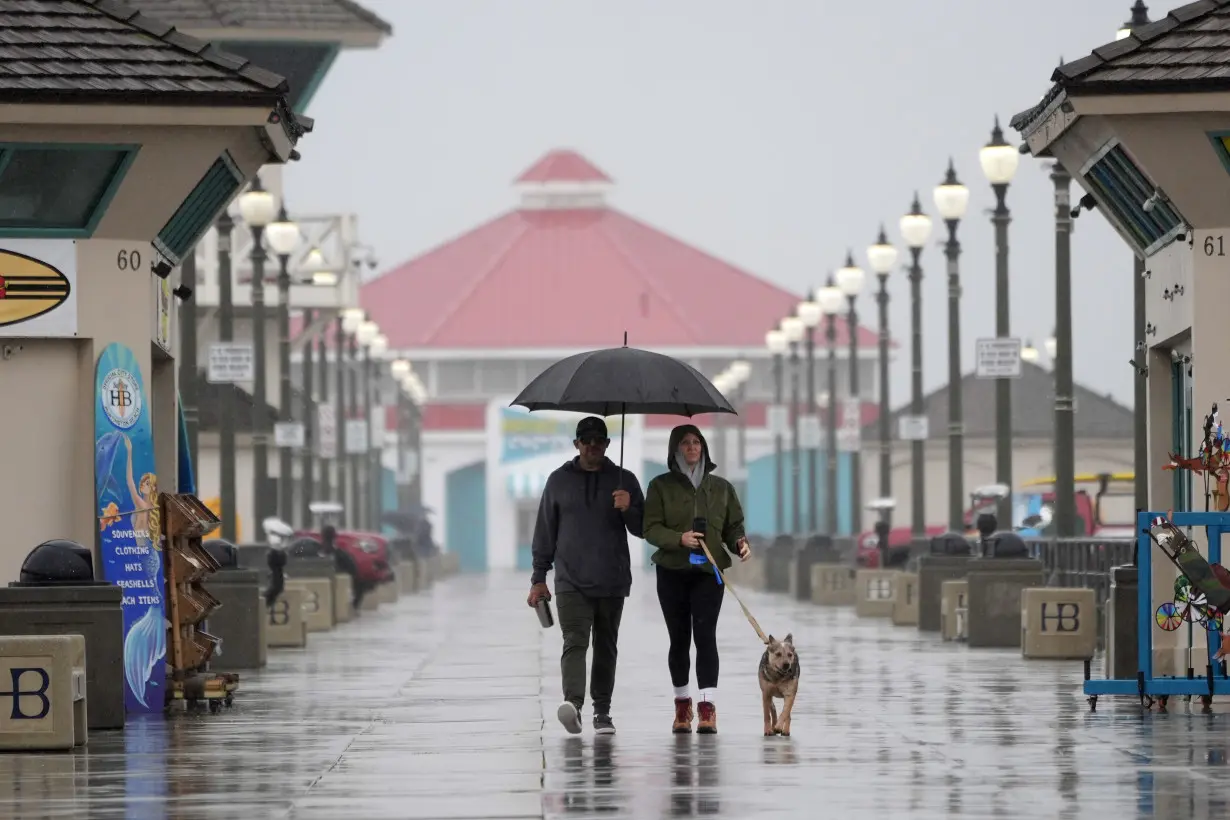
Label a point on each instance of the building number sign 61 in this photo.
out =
(1214, 246)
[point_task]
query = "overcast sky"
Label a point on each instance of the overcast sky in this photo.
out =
(774, 133)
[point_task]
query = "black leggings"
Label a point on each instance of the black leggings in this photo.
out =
(691, 601)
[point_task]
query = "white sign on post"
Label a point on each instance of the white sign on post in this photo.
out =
(326, 428)
(356, 436)
(809, 431)
(289, 434)
(777, 419)
(998, 359)
(230, 362)
(848, 440)
(378, 428)
(852, 413)
(912, 428)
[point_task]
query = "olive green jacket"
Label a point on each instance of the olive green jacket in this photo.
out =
(671, 504)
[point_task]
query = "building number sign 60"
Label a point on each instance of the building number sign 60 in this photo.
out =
(128, 260)
(1214, 246)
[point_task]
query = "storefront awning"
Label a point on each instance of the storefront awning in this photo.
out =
(526, 486)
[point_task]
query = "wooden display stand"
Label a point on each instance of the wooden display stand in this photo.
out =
(185, 520)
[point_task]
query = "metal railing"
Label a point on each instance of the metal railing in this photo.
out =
(1082, 562)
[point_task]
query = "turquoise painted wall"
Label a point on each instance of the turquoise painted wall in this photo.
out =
(465, 493)
(759, 506)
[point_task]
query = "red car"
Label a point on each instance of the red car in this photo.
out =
(369, 550)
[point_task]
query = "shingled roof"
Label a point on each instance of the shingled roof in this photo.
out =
(300, 15)
(100, 51)
(1033, 410)
(1187, 50)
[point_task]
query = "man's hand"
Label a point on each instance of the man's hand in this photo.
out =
(1225, 648)
(622, 500)
(744, 548)
(690, 539)
(538, 592)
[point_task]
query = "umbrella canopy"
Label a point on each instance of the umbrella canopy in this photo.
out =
(623, 380)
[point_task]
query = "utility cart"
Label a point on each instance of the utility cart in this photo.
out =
(1201, 600)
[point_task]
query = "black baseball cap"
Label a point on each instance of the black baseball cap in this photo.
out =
(591, 427)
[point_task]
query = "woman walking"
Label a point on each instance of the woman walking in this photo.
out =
(683, 506)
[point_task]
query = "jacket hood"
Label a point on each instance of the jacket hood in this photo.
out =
(673, 446)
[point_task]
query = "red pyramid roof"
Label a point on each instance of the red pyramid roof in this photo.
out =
(575, 277)
(563, 165)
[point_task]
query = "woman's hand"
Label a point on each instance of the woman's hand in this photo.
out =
(744, 548)
(690, 539)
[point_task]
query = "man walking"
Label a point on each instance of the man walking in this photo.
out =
(587, 510)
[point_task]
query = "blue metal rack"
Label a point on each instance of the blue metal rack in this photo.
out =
(1214, 681)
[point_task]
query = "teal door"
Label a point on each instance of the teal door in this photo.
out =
(465, 501)
(1181, 432)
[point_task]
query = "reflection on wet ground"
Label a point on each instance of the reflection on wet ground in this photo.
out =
(435, 708)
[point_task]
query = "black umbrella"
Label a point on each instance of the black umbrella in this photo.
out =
(623, 380)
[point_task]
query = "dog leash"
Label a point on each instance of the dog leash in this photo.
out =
(722, 580)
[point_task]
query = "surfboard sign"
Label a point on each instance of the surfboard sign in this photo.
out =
(37, 288)
(126, 495)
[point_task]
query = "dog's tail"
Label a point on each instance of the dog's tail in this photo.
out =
(750, 618)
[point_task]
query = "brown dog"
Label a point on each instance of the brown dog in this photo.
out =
(779, 678)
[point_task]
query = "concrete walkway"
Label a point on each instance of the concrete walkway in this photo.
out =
(434, 708)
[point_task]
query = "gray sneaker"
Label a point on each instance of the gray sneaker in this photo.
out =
(570, 716)
(603, 725)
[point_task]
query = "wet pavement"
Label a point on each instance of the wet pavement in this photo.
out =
(434, 708)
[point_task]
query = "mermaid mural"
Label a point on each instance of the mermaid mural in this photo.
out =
(129, 531)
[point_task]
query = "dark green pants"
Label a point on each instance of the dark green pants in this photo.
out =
(579, 616)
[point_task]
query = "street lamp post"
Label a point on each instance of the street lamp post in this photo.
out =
(951, 200)
(915, 229)
(1065, 456)
(850, 282)
(793, 327)
(830, 300)
(399, 369)
(347, 392)
(741, 371)
(882, 257)
(258, 209)
(377, 350)
(226, 404)
(1139, 17)
(999, 162)
(775, 341)
(361, 478)
(189, 362)
(283, 238)
(323, 459)
(809, 313)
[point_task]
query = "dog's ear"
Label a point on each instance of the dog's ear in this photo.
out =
(789, 639)
(772, 640)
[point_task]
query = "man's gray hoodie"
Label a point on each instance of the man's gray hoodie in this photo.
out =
(582, 534)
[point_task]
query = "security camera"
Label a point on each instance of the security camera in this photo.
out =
(162, 268)
(1087, 202)
(182, 292)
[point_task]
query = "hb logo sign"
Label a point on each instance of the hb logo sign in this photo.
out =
(279, 613)
(311, 603)
(35, 692)
(833, 580)
(1066, 617)
(879, 589)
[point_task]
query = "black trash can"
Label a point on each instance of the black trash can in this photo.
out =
(777, 568)
(222, 551)
(818, 549)
(58, 562)
(1006, 544)
(950, 543)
